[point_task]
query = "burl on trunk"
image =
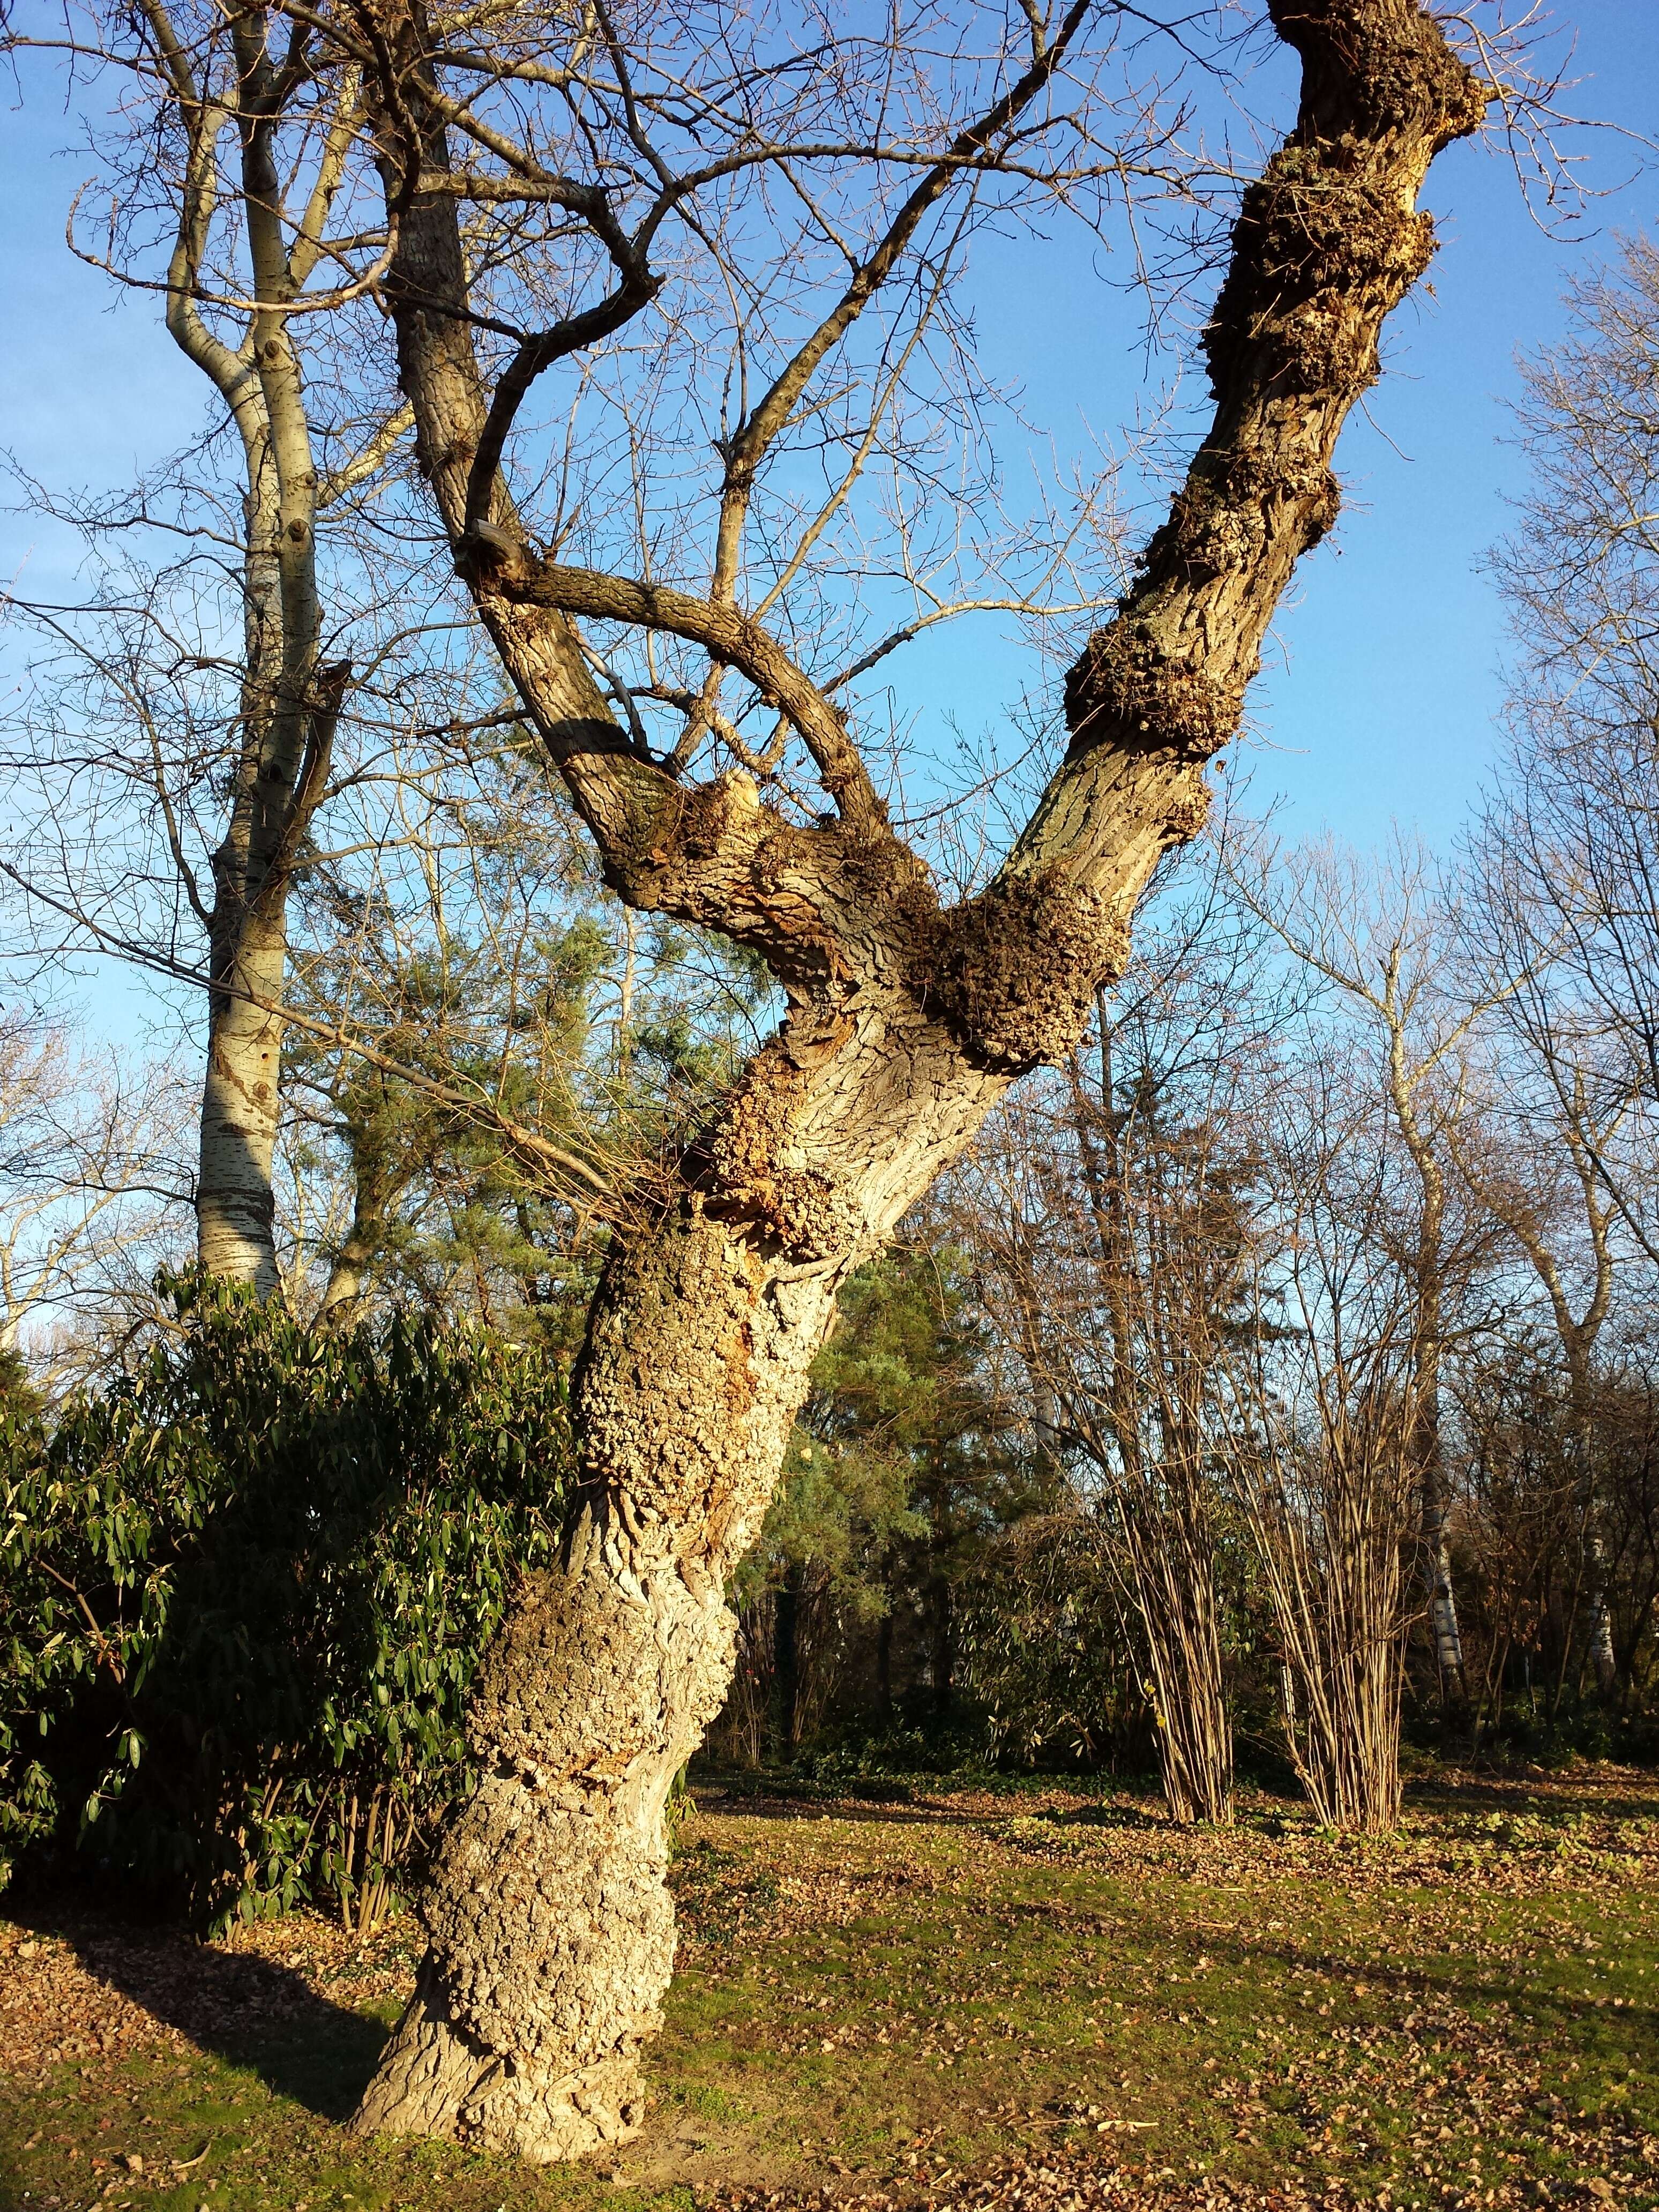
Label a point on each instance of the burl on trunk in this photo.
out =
(550, 1932)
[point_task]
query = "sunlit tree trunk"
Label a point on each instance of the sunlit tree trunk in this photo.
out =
(1429, 1336)
(550, 1934)
(289, 702)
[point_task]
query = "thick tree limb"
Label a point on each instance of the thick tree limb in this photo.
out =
(1326, 243)
(727, 635)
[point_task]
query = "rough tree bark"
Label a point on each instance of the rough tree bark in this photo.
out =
(550, 1930)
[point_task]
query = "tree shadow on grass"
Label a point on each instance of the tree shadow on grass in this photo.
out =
(923, 1803)
(250, 2011)
(1552, 1795)
(1530, 2016)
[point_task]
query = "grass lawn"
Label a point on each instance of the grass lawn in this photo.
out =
(1024, 1999)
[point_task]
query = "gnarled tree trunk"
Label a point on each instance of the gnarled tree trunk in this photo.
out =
(550, 1934)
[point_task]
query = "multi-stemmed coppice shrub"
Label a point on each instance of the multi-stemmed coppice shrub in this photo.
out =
(241, 1593)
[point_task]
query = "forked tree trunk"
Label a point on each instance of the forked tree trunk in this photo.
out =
(550, 1932)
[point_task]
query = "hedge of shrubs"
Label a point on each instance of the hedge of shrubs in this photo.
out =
(241, 1591)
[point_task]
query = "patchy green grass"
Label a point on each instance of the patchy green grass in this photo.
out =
(891, 2000)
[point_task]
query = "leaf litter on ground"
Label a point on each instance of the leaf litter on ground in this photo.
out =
(1043, 2001)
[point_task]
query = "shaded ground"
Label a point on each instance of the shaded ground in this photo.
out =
(1038, 2002)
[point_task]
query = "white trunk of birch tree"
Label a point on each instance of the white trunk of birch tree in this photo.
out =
(183, 732)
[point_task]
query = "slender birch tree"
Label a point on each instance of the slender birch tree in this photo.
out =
(179, 724)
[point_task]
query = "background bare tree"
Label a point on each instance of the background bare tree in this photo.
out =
(1562, 917)
(1110, 1218)
(238, 672)
(1564, 849)
(1531, 1159)
(88, 1171)
(1325, 1464)
(1378, 938)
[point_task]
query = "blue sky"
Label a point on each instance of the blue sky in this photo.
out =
(1384, 702)
(1380, 700)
